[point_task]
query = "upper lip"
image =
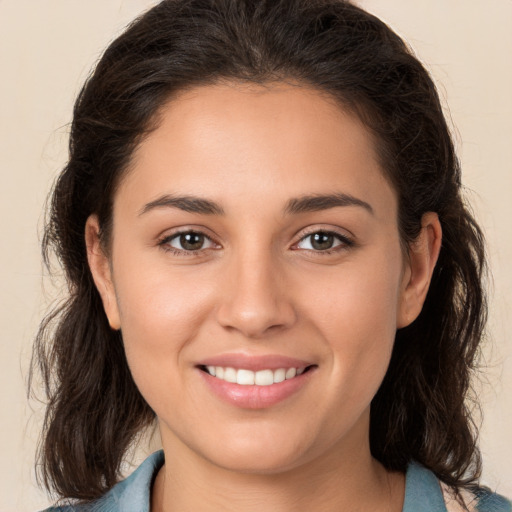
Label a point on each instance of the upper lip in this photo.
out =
(254, 362)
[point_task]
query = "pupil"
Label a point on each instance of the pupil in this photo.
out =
(191, 241)
(322, 241)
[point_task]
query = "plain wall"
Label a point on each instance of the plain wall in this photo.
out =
(46, 50)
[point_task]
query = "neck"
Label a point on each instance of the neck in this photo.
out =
(334, 481)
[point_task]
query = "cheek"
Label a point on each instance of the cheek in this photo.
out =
(161, 313)
(358, 301)
(355, 311)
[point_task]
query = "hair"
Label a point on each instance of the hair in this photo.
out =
(421, 411)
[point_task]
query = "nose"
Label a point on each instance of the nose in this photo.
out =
(255, 298)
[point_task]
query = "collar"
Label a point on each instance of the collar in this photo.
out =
(422, 490)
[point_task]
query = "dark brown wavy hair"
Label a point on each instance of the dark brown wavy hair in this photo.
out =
(421, 411)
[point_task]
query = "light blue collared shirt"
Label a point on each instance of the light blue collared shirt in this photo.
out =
(422, 493)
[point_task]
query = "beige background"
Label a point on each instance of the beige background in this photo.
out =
(46, 50)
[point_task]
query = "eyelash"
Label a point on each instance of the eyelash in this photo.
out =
(346, 243)
(164, 243)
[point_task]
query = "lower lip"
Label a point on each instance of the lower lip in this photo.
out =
(255, 397)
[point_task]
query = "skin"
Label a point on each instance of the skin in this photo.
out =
(260, 287)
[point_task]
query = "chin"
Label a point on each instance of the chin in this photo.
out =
(258, 463)
(264, 454)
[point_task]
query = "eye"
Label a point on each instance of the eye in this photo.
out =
(324, 241)
(187, 241)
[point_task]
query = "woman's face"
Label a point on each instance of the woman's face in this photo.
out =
(255, 233)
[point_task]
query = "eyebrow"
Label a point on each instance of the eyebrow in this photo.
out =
(190, 204)
(318, 202)
(303, 204)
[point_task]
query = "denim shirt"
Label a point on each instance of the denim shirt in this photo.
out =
(423, 493)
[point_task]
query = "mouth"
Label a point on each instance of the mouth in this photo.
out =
(245, 377)
(255, 381)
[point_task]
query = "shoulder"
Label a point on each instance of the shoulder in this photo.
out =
(488, 501)
(424, 493)
(130, 495)
(485, 500)
(479, 499)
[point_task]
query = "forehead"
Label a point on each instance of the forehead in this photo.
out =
(230, 140)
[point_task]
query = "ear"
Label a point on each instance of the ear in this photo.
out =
(423, 254)
(101, 271)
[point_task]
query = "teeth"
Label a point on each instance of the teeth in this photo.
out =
(245, 377)
(250, 378)
(230, 375)
(263, 377)
(290, 373)
(279, 375)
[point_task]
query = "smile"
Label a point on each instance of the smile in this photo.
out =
(244, 377)
(250, 382)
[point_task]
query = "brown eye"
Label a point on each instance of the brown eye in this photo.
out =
(188, 241)
(323, 241)
(191, 241)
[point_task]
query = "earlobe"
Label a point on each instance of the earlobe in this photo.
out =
(423, 255)
(101, 271)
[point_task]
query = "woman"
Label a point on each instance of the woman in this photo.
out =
(262, 228)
